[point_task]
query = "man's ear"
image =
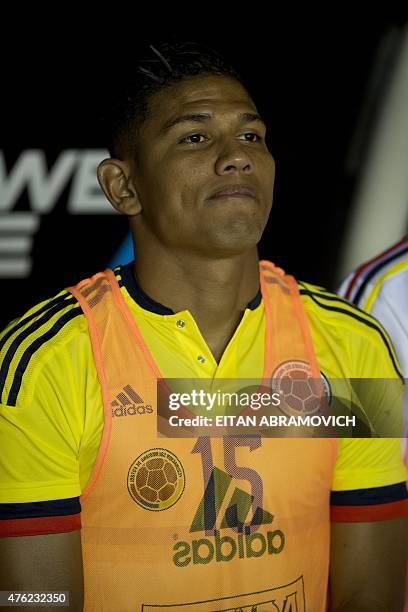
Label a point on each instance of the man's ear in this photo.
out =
(114, 178)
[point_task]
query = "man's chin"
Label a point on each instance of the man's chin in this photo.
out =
(230, 244)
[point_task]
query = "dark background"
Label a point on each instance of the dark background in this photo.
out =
(317, 82)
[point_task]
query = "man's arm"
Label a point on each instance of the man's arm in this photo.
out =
(43, 563)
(368, 566)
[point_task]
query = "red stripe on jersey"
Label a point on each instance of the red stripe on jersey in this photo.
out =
(368, 514)
(40, 526)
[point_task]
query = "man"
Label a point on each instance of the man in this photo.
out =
(380, 287)
(181, 524)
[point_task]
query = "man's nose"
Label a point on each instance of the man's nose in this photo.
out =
(233, 158)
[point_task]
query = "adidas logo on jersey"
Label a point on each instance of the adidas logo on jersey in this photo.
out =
(245, 543)
(129, 403)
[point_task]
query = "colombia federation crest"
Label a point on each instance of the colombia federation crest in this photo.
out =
(156, 479)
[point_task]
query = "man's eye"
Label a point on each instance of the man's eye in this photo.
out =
(193, 139)
(252, 137)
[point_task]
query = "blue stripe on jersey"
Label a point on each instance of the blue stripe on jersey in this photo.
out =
(5, 366)
(29, 352)
(62, 298)
(368, 497)
(54, 507)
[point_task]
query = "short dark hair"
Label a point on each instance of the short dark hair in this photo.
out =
(164, 64)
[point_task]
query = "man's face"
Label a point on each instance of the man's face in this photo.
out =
(203, 172)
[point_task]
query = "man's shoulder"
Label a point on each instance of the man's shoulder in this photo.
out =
(31, 340)
(52, 337)
(366, 282)
(344, 325)
(334, 309)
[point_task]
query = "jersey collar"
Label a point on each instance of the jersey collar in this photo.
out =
(147, 303)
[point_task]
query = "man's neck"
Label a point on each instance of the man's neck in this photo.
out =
(216, 292)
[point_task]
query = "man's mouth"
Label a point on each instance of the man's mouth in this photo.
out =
(234, 191)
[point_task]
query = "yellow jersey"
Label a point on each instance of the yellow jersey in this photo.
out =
(51, 412)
